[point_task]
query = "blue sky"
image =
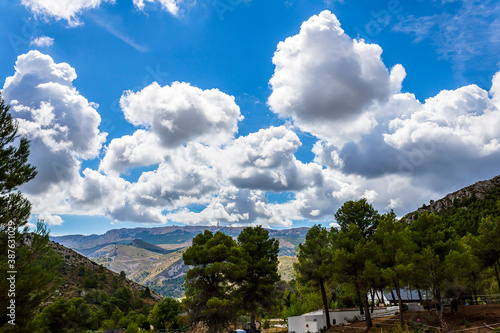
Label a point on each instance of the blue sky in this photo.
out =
(248, 112)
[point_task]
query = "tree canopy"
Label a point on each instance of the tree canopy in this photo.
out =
(23, 256)
(314, 264)
(209, 284)
(259, 275)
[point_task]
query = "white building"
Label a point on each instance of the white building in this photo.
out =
(313, 321)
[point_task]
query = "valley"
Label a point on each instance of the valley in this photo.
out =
(153, 256)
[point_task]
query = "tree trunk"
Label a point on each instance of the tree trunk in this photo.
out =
(358, 294)
(368, 317)
(380, 296)
(252, 320)
(496, 272)
(420, 295)
(372, 293)
(325, 304)
(462, 303)
(439, 306)
(400, 303)
(393, 298)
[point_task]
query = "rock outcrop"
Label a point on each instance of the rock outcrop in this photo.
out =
(478, 189)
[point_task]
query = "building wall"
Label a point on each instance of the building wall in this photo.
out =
(313, 322)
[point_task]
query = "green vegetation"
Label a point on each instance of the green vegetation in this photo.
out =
(230, 278)
(210, 292)
(314, 263)
(440, 253)
(112, 304)
(259, 263)
(166, 314)
(26, 255)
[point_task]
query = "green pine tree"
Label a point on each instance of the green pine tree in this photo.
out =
(209, 284)
(314, 264)
(26, 259)
(259, 261)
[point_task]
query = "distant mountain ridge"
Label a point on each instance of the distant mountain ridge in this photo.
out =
(153, 256)
(160, 235)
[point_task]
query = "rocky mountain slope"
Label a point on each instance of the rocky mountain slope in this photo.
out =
(81, 276)
(153, 256)
(477, 190)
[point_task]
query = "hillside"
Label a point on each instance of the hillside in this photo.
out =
(153, 256)
(139, 243)
(285, 267)
(80, 276)
(458, 198)
(171, 235)
(466, 208)
(146, 267)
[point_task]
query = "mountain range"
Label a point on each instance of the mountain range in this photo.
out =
(153, 256)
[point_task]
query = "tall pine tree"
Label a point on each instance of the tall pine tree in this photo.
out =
(26, 259)
(209, 284)
(259, 261)
(314, 264)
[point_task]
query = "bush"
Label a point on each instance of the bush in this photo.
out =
(132, 328)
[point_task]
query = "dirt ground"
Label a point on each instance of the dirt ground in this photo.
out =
(468, 319)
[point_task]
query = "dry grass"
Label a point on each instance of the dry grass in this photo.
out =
(468, 319)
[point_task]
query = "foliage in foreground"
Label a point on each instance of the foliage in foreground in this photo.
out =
(229, 277)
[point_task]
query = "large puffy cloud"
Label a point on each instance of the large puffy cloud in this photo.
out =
(173, 116)
(62, 9)
(325, 81)
(187, 176)
(112, 196)
(453, 137)
(450, 141)
(265, 160)
(465, 118)
(142, 148)
(61, 124)
(231, 181)
(181, 113)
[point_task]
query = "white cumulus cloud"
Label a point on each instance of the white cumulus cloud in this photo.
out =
(62, 9)
(142, 148)
(265, 160)
(325, 81)
(50, 219)
(61, 124)
(180, 113)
